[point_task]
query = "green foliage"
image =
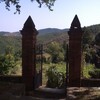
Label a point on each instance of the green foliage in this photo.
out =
(61, 67)
(86, 69)
(16, 4)
(18, 55)
(10, 48)
(97, 39)
(56, 51)
(95, 73)
(94, 29)
(8, 62)
(10, 41)
(89, 55)
(48, 3)
(56, 79)
(13, 2)
(87, 39)
(56, 36)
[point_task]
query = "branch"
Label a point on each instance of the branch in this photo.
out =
(8, 3)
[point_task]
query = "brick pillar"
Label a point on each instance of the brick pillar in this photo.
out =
(75, 37)
(28, 53)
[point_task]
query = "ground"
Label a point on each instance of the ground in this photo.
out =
(84, 93)
(9, 91)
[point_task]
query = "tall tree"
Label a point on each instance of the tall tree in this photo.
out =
(56, 51)
(16, 3)
(7, 61)
(97, 39)
(87, 38)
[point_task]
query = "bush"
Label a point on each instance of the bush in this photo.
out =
(7, 63)
(56, 79)
(86, 69)
(95, 73)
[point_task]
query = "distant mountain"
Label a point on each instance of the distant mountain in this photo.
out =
(51, 30)
(45, 37)
(13, 41)
(2, 33)
(41, 32)
(10, 33)
(94, 29)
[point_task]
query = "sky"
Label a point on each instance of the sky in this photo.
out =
(88, 12)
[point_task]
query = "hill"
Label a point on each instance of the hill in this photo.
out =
(94, 29)
(12, 41)
(45, 36)
(41, 32)
(2, 33)
(51, 30)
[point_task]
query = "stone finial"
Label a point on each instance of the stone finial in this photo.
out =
(29, 23)
(75, 23)
(75, 29)
(29, 27)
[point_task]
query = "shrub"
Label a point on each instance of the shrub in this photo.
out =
(56, 79)
(95, 73)
(7, 63)
(86, 69)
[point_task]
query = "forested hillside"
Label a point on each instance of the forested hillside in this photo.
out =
(45, 36)
(94, 29)
(10, 41)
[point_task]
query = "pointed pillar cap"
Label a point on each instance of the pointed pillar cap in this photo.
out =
(75, 29)
(75, 23)
(29, 26)
(29, 23)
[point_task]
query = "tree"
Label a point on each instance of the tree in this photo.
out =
(97, 39)
(18, 55)
(87, 38)
(7, 61)
(6, 64)
(9, 50)
(56, 51)
(16, 3)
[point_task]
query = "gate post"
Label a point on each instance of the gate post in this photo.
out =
(75, 37)
(28, 53)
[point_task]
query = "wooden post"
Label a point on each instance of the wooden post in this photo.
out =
(28, 53)
(75, 37)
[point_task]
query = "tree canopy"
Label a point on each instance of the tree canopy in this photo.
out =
(97, 39)
(88, 38)
(56, 51)
(16, 4)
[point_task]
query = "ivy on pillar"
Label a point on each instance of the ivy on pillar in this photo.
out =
(75, 38)
(29, 33)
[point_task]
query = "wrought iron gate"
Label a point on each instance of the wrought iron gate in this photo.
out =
(38, 68)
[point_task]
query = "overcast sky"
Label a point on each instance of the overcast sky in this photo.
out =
(88, 12)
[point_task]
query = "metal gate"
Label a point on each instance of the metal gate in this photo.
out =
(38, 68)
